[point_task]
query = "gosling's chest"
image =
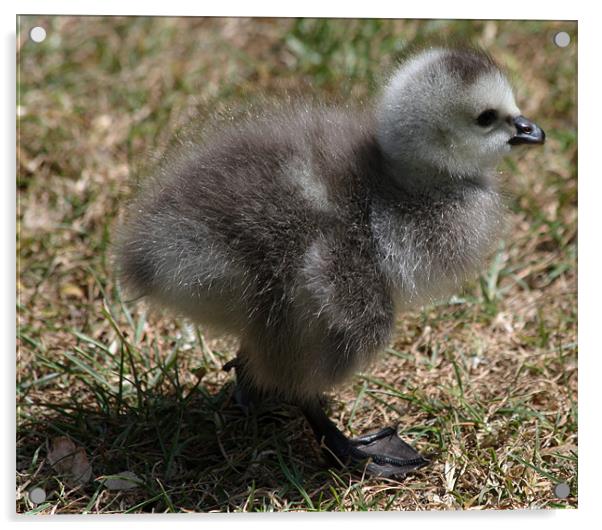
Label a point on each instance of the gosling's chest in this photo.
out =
(428, 248)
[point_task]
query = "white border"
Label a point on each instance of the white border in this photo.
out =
(510, 9)
(590, 121)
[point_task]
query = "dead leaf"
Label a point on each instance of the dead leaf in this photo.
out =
(503, 322)
(69, 460)
(450, 476)
(72, 291)
(126, 480)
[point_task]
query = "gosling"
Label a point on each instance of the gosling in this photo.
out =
(304, 230)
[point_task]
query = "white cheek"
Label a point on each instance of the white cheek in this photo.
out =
(486, 148)
(498, 146)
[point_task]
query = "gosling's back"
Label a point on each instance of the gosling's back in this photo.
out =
(264, 232)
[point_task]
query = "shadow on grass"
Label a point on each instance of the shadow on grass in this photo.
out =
(196, 453)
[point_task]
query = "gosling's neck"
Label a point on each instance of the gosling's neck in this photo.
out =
(425, 179)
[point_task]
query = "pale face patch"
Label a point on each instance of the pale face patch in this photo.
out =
(427, 119)
(484, 145)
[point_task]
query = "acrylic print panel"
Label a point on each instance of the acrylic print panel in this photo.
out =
(124, 406)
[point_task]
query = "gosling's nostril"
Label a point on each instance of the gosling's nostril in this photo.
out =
(523, 125)
(527, 132)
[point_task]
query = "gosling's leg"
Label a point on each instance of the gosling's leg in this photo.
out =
(387, 454)
(244, 394)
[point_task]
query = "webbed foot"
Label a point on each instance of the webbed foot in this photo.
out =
(389, 455)
(382, 453)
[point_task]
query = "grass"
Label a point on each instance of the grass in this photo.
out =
(485, 383)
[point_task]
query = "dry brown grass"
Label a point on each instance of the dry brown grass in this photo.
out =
(486, 384)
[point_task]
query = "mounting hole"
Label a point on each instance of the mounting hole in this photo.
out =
(37, 34)
(37, 495)
(562, 490)
(562, 39)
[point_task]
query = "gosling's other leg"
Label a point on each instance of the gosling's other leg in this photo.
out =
(387, 454)
(245, 395)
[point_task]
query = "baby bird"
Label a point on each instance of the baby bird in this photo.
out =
(306, 229)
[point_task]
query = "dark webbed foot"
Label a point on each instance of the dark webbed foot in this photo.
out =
(389, 455)
(385, 453)
(381, 453)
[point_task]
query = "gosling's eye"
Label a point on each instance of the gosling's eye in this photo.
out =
(487, 117)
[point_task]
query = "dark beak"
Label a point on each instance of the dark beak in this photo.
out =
(526, 132)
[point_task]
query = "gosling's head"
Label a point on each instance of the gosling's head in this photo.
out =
(451, 112)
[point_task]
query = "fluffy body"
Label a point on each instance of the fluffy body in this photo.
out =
(305, 231)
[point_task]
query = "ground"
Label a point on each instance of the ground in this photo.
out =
(485, 384)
